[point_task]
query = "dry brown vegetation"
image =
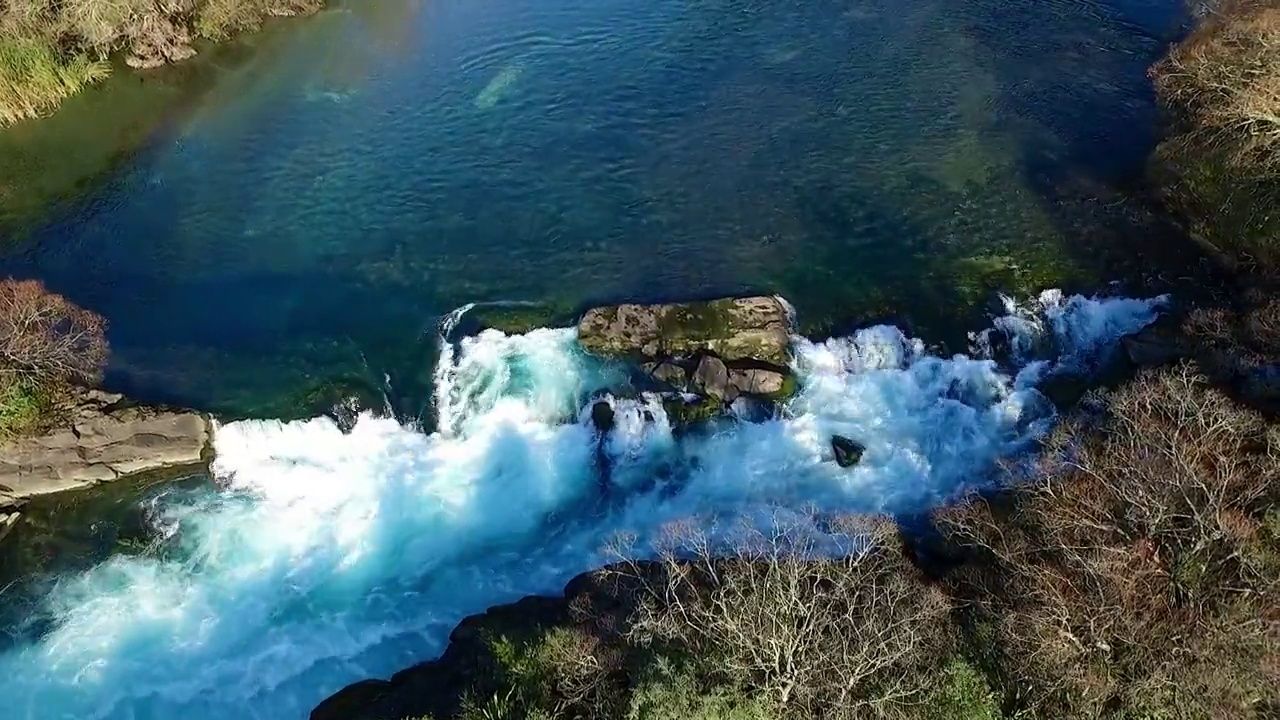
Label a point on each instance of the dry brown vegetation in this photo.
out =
(47, 344)
(50, 49)
(859, 635)
(1220, 165)
(45, 336)
(1226, 79)
(1140, 575)
(1134, 574)
(1236, 346)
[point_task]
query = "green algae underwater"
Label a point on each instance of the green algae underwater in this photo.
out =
(300, 207)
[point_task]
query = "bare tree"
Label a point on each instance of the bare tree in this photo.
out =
(45, 336)
(826, 625)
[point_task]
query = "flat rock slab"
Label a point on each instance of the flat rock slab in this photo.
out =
(105, 439)
(733, 329)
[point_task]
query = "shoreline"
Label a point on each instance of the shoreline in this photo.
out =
(111, 123)
(78, 52)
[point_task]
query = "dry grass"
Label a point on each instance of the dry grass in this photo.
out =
(1219, 167)
(34, 79)
(1226, 78)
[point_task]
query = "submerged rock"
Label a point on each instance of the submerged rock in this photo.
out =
(105, 438)
(1064, 389)
(848, 452)
(733, 329)
(345, 413)
(682, 412)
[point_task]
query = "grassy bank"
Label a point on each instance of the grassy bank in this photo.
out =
(51, 50)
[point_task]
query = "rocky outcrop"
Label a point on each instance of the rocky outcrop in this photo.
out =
(848, 452)
(105, 438)
(437, 688)
(716, 350)
(733, 329)
(7, 521)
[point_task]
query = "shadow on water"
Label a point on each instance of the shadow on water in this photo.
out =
(1086, 159)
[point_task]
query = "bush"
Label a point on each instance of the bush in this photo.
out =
(47, 344)
(46, 338)
(962, 693)
(1225, 82)
(22, 407)
(669, 691)
(1136, 577)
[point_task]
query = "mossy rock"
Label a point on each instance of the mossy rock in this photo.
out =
(789, 389)
(734, 329)
(516, 319)
(684, 414)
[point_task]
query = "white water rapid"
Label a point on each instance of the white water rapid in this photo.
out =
(328, 558)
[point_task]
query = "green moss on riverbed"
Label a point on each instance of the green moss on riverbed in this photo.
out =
(106, 122)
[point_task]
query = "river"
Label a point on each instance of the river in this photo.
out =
(314, 215)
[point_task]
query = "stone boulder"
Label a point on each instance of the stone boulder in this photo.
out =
(104, 438)
(733, 329)
(1155, 345)
(716, 350)
(668, 373)
(757, 381)
(711, 379)
(848, 452)
(602, 416)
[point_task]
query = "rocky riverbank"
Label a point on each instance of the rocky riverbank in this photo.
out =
(102, 437)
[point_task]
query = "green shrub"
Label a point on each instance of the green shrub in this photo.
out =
(962, 694)
(668, 691)
(22, 407)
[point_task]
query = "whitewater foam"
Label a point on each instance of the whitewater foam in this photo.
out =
(327, 557)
